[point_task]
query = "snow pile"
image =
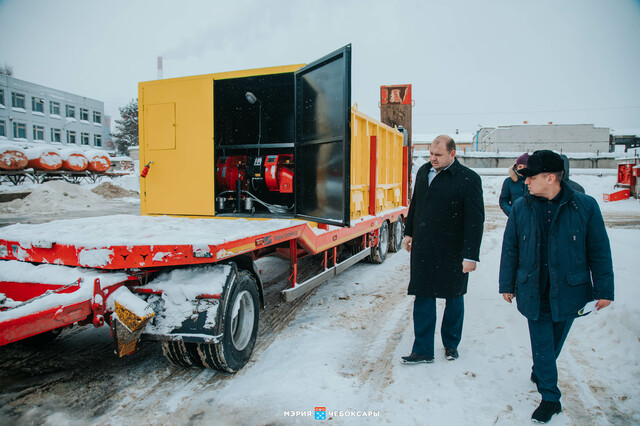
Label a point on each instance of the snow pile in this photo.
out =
(130, 183)
(110, 190)
(54, 196)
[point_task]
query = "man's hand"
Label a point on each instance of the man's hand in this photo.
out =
(602, 303)
(468, 266)
(508, 296)
(407, 243)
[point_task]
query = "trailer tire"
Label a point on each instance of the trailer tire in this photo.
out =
(237, 322)
(181, 353)
(379, 252)
(397, 234)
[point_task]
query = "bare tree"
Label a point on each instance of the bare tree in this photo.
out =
(6, 70)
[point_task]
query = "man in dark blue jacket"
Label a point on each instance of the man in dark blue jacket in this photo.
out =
(555, 259)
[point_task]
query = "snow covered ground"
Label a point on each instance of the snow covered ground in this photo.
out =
(342, 352)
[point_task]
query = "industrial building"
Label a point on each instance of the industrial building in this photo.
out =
(422, 141)
(565, 138)
(33, 113)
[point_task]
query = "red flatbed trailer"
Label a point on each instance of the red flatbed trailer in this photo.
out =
(132, 265)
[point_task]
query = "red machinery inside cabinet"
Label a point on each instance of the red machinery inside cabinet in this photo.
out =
(231, 169)
(278, 173)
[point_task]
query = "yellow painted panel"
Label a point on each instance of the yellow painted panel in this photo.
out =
(160, 126)
(180, 180)
(389, 165)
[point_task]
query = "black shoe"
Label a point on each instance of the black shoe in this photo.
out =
(417, 359)
(534, 378)
(545, 411)
(451, 353)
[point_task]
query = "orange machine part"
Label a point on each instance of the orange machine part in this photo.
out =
(99, 163)
(47, 160)
(76, 162)
(13, 160)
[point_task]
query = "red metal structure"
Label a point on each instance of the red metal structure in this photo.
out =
(628, 179)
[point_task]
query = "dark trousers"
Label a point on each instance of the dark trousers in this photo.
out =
(424, 324)
(547, 338)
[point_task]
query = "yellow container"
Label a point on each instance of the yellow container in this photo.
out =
(388, 161)
(188, 125)
(175, 121)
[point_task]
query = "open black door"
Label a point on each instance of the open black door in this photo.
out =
(323, 139)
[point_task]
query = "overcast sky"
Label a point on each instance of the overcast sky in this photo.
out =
(471, 63)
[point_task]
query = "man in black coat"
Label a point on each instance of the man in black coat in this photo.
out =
(443, 231)
(555, 259)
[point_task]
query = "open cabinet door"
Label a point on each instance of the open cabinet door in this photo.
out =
(323, 139)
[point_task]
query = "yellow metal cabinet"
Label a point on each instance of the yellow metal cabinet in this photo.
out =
(293, 119)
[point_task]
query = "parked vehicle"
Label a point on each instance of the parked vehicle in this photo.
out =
(239, 165)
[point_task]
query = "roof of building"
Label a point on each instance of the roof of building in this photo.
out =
(460, 137)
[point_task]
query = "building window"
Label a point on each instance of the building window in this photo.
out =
(71, 111)
(17, 100)
(97, 117)
(55, 135)
(37, 105)
(54, 108)
(19, 130)
(84, 137)
(84, 114)
(97, 140)
(38, 133)
(2, 97)
(3, 128)
(71, 136)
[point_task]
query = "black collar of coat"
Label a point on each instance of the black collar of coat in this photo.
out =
(454, 168)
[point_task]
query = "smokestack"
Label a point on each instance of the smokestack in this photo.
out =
(159, 67)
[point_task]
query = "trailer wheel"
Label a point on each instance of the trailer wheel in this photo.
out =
(181, 353)
(379, 252)
(237, 321)
(397, 235)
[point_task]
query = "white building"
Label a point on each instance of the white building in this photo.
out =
(422, 141)
(33, 113)
(530, 137)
